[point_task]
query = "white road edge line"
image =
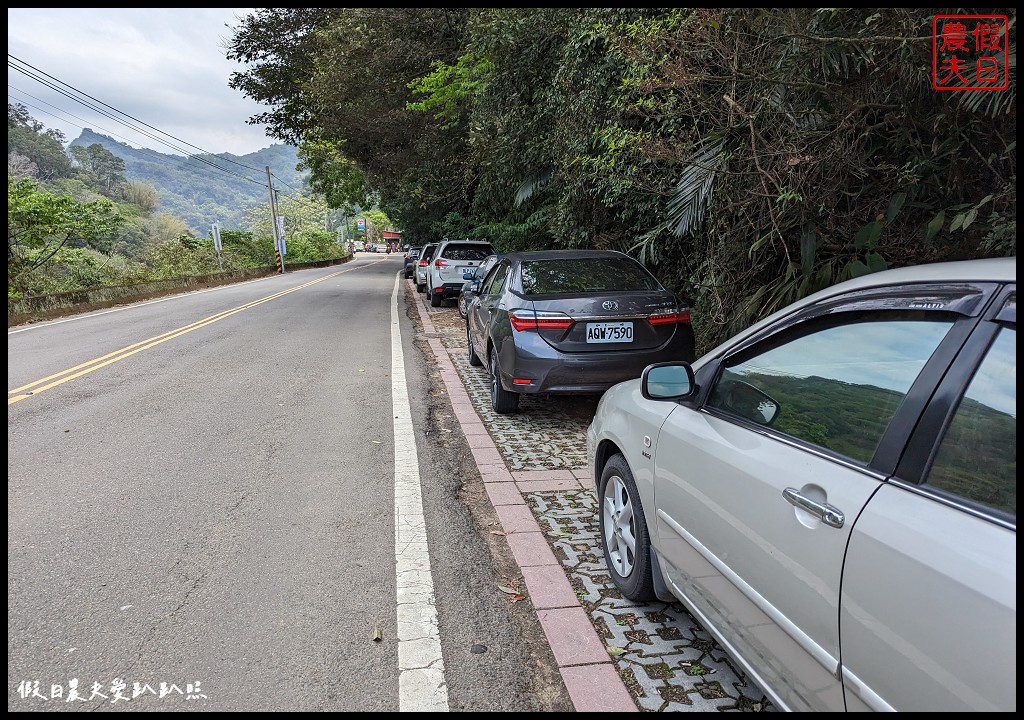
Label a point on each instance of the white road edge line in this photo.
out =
(421, 683)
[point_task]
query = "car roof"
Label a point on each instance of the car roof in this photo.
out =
(980, 270)
(959, 271)
(466, 242)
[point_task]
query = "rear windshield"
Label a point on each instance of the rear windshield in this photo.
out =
(585, 275)
(457, 251)
(428, 251)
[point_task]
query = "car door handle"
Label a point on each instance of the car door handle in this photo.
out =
(828, 514)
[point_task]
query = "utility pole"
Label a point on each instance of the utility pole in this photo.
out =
(273, 222)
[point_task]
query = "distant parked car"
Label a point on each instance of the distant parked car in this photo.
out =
(451, 259)
(412, 256)
(832, 493)
(422, 265)
(473, 278)
(572, 321)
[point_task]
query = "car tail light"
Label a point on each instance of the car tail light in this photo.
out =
(529, 320)
(423, 263)
(441, 263)
(681, 317)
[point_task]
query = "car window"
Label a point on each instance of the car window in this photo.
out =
(485, 267)
(454, 251)
(495, 281)
(837, 386)
(585, 275)
(977, 459)
(428, 252)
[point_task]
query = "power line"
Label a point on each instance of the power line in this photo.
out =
(158, 157)
(49, 84)
(55, 84)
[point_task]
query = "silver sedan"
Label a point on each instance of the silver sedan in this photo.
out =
(833, 492)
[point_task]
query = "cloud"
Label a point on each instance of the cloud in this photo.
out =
(165, 67)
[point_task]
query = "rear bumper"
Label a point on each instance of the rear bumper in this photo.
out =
(551, 371)
(448, 290)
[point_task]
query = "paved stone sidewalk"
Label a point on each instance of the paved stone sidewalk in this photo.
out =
(666, 660)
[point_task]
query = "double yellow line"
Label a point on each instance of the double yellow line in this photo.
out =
(34, 388)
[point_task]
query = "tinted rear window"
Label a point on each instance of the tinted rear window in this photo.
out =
(428, 251)
(585, 275)
(457, 251)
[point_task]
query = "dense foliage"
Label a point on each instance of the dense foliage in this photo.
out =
(749, 157)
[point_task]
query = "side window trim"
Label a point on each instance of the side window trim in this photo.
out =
(967, 299)
(930, 430)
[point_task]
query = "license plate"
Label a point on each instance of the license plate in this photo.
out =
(612, 332)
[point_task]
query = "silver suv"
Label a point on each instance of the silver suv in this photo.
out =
(451, 259)
(423, 265)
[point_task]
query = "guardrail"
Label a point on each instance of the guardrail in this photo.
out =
(47, 307)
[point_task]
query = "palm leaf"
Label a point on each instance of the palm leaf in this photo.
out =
(689, 203)
(531, 184)
(994, 102)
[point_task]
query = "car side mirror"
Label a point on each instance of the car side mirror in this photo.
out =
(667, 381)
(747, 401)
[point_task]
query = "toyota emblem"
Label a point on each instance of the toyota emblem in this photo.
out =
(610, 305)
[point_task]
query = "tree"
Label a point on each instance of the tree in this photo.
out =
(338, 78)
(142, 194)
(101, 167)
(39, 224)
(333, 175)
(44, 149)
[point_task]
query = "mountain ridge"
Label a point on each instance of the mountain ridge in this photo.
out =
(207, 188)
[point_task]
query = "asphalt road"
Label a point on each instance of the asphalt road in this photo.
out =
(204, 513)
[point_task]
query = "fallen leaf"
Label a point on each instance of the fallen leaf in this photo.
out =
(375, 441)
(508, 590)
(517, 598)
(498, 532)
(377, 637)
(616, 651)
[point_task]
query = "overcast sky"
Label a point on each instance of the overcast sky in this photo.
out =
(165, 67)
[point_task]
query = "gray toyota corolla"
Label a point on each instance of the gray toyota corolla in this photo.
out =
(572, 321)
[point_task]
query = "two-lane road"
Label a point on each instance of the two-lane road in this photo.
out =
(240, 500)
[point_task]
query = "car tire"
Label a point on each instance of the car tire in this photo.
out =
(624, 535)
(421, 288)
(463, 304)
(435, 299)
(503, 401)
(474, 359)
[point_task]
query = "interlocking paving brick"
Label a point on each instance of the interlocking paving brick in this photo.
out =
(670, 663)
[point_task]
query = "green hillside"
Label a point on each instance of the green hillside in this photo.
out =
(205, 189)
